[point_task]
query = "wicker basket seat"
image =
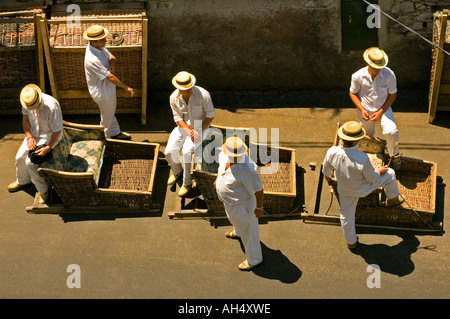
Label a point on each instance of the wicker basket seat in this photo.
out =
(80, 150)
(416, 180)
(278, 176)
(89, 170)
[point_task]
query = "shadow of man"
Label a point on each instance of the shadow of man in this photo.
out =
(395, 259)
(277, 266)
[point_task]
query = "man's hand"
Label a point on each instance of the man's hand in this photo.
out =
(365, 115)
(130, 89)
(259, 213)
(193, 134)
(42, 151)
(31, 143)
(382, 170)
(376, 116)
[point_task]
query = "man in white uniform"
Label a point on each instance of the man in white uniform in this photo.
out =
(193, 112)
(99, 66)
(240, 188)
(42, 123)
(373, 90)
(356, 177)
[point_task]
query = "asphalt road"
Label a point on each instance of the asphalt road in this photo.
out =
(150, 256)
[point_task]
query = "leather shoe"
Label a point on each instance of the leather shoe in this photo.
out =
(395, 201)
(14, 187)
(184, 190)
(172, 179)
(43, 198)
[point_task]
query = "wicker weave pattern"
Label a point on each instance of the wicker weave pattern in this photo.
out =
(129, 174)
(72, 35)
(89, 106)
(126, 175)
(17, 34)
(18, 68)
(280, 181)
(279, 187)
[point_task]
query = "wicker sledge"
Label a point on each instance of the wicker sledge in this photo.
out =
(89, 173)
(417, 182)
(279, 178)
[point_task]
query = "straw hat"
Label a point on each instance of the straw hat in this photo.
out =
(376, 58)
(95, 32)
(183, 80)
(234, 147)
(351, 131)
(31, 97)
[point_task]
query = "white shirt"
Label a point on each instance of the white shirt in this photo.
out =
(353, 169)
(96, 64)
(239, 182)
(45, 120)
(199, 106)
(373, 93)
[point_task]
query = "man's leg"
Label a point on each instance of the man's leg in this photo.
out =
(172, 150)
(246, 226)
(347, 218)
(107, 117)
(23, 177)
(390, 132)
(369, 126)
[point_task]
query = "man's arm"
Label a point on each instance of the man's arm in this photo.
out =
(114, 80)
(112, 63)
(259, 203)
(376, 116)
(184, 126)
(31, 142)
(53, 139)
(355, 99)
(206, 122)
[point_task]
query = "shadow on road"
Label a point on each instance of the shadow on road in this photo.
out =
(395, 259)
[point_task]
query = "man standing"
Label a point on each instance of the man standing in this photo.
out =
(42, 123)
(100, 66)
(240, 188)
(373, 90)
(193, 112)
(356, 177)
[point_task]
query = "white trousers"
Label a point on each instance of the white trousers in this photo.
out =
(179, 140)
(107, 116)
(26, 171)
(246, 226)
(389, 127)
(348, 204)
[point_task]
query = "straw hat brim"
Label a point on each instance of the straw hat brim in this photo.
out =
(181, 87)
(104, 35)
(38, 100)
(241, 152)
(371, 63)
(346, 137)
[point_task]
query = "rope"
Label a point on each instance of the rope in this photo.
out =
(406, 27)
(420, 217)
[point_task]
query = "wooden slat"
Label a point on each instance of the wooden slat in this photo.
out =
(144, 70)
(84, 93)
(438, 70)
(59, 49)
(48, 56)
(40, 53)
